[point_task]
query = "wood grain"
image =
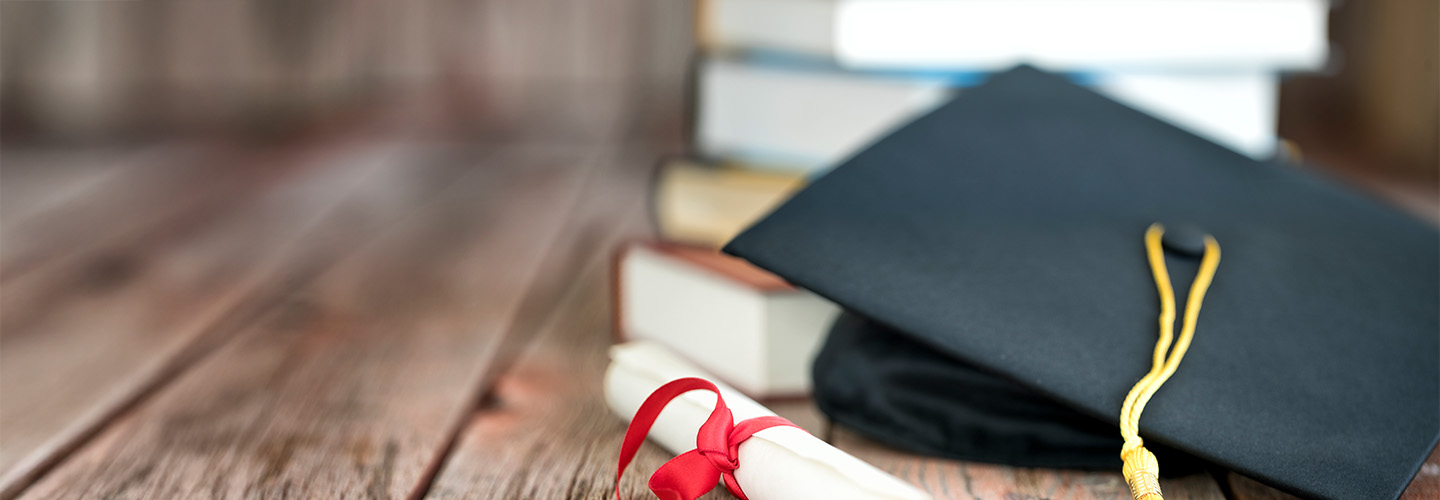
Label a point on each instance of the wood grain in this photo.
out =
(35, 182)
(156, 196)
(152, 190)
(110, 338)
(350, 388)
(543, 430)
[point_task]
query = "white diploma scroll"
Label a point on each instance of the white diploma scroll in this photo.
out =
(779, 463)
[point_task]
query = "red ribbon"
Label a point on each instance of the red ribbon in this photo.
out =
(694, 472)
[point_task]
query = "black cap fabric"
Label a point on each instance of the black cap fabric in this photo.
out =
(907, 394)
(1005, 230)
(881, 383)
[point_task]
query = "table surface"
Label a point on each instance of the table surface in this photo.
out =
(356, 313)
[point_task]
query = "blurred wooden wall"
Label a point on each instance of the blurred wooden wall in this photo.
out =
(1378, 108)
(117, 69)
(99, 70)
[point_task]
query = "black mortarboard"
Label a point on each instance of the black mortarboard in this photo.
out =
(999, 240)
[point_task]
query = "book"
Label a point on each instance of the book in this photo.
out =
(788, 115)
(707, 205)
(747, 326)
(1055, 34)
(799, 119)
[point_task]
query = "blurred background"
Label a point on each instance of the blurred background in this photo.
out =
(170, 168)
(83, 73)
(108, 72)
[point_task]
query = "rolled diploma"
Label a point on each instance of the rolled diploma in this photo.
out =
(779, 463)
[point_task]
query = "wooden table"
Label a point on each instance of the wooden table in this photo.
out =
(355, 313)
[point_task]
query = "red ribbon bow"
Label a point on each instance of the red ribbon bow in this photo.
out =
(694, 472)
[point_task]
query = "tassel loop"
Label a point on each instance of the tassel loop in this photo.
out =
(1141, 470)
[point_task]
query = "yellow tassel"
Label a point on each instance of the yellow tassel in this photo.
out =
(1141, 470)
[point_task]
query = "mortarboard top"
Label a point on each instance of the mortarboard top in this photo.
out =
(1004, 230)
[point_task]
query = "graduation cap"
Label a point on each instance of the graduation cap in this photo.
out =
(993, 256)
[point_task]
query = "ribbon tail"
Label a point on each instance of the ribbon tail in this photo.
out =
(649, 411)
(685, 477)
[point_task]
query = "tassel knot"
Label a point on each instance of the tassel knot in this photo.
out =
(1142, 473)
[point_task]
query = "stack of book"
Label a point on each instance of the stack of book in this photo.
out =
(786, 89)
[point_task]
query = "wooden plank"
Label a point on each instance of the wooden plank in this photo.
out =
(34, 182)
(617, 187)
(159, 195)
(543, 430)
(971, 480)
(107, 339)
(1425, 486)
(154, 189)
(353, 386)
